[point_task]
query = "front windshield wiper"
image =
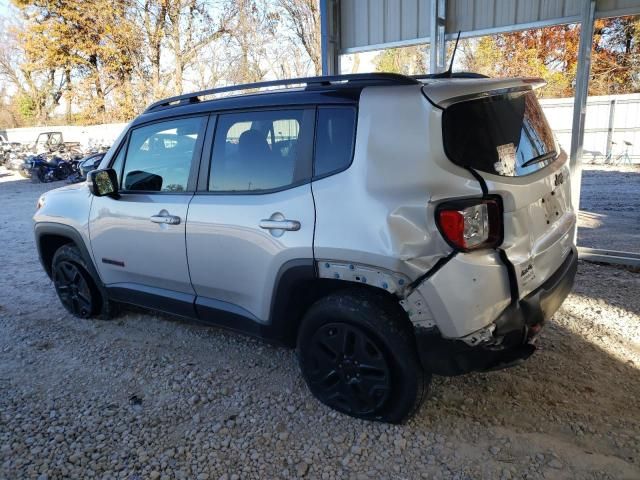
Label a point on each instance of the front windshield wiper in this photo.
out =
(540, 158)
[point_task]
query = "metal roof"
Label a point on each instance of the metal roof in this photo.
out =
(373, 24)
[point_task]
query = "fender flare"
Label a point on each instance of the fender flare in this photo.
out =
(42, 229)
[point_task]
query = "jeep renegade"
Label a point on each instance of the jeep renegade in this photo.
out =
(389, 227)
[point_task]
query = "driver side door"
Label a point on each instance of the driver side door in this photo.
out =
(138, 239)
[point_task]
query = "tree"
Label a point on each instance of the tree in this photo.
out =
(303, 19)
(405, 60)
(190, 27)
(36, 92)
(91, 41)
(250, 32)
(105, 60)
(552, 52)
(150, 15)
(615, 64)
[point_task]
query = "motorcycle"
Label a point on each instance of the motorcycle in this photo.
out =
(45, 168)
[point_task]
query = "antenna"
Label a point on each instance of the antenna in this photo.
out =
(453, 55)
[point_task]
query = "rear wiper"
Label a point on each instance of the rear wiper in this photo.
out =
(539, 158)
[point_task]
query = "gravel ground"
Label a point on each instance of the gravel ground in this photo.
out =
(150, 397)
(610, 207)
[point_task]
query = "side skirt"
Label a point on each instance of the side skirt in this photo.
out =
(293, 283)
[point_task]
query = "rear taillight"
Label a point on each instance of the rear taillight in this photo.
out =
(471, 224)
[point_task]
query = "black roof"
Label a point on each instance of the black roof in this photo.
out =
(307, 90)
(356, 79)
(312, 90)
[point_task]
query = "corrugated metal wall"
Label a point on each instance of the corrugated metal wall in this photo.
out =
(478, 15)
(371, 24)
(625, 126)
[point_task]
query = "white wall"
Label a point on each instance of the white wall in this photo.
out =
(559, 111)
(86, 135)
(626, 124)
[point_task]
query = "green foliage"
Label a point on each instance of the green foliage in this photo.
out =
(404, 60)
(26, 107)
(551, 53)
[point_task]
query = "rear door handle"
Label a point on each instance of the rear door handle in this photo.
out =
(164, 217)
(289, 225)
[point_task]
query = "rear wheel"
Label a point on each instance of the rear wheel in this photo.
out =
(77, 290)
(358, 356)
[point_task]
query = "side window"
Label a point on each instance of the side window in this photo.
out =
(56, 139)
(160, 155)
(117, 162)
(335, 134)
(255, 151)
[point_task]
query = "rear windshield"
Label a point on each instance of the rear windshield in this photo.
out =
(504, 134)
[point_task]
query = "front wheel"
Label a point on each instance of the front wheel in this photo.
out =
(358, 355)
(63, 171)
(77, 290)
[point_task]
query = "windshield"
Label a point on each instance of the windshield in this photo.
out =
(503, 134)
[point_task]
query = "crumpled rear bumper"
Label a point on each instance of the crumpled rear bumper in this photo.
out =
(513, 337)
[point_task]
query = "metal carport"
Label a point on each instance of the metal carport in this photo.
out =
(350, 26)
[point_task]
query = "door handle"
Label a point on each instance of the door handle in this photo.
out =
(164, 217)
(289, 225)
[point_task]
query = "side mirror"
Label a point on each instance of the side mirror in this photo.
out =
(103, 182)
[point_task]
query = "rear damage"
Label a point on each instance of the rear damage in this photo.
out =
(475, 308)
(497, 131)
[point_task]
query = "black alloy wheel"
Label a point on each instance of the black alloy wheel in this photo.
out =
(348, 370)
(357, 353)
(73, 289)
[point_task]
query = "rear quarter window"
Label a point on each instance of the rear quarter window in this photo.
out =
(505, 135)
(335, 135)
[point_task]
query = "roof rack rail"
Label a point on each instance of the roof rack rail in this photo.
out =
(310, 82)
(429, 76)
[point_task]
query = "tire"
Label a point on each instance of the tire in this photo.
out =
(357, 353)
(39, 175)
(24, 173)
(63, 171)
(80, 293)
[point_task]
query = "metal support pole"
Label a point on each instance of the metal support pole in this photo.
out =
(611, 128)
(580, 101)
(437, 51)
(329, 43)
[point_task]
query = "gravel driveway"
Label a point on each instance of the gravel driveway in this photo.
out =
(150, 397)
(610, 207)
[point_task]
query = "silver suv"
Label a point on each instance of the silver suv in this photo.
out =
(389, 227)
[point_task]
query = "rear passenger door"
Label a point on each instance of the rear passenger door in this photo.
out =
(138, 239)
(253, 212)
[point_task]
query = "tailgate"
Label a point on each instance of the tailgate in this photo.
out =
(538, 222)
(504, 136)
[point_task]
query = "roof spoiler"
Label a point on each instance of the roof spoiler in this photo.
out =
(535, 82)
